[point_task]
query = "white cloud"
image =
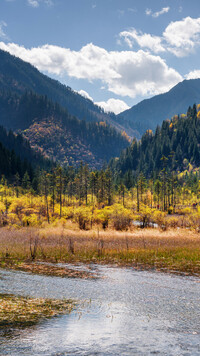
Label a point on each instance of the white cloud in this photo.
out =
(36, 3)
(85, 94)
(2, 32)
(183, 36)
(143, 40)
(180, 38)
(148, 12)
(33, 3)
(113, 105)
(125, 73)
(161, 12)
(195, 74)
(158, 13)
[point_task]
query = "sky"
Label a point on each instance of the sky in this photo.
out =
(115, 52)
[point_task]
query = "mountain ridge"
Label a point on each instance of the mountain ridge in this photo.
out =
(149, 113)
(19, 76)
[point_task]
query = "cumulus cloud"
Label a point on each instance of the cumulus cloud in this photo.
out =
(125, 73)
(180, 38)
(3, 35)
(85, 94)
(113, 105)
(183, 36)
(158, 13)
(195, 74)
(144, 40)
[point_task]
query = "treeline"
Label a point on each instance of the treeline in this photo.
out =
(62, 183)
(178, 140)
(102, 188)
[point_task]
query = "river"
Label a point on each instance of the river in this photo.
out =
(124, 312)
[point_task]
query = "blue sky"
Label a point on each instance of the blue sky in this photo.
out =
(116, 52)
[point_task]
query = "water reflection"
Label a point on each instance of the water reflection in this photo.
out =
(130, 312)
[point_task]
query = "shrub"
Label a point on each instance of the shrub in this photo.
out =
(122, 218)
(173, 222)
(102, 216)
(159, 217)
(83, 216)
(145, 216)
(17, 206)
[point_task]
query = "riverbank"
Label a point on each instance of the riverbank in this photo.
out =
(46, 269)
(21, 311)
(176, 251)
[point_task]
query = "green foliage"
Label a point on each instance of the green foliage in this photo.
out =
(177, 141)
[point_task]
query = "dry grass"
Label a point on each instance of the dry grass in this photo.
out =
(174, 250)
(23, 311)
(48, 269)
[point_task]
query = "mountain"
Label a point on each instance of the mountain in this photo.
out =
(17, 156)
(60, 136)
(17, 76)
(59, 122)
(151, 112)
(178, 140)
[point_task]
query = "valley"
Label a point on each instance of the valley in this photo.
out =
(99, 206)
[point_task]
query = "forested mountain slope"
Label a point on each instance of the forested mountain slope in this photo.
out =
(17, 76)
(174, 146)
(151, 112)
(57, 134)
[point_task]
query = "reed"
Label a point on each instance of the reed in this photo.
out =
(171, 250)
(21, 311)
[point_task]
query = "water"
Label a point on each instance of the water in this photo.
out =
(125, 312)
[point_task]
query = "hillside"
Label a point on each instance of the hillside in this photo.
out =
(58, 135)
(178, 140)
(16, 156)
(151, 112)
(17, 76)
